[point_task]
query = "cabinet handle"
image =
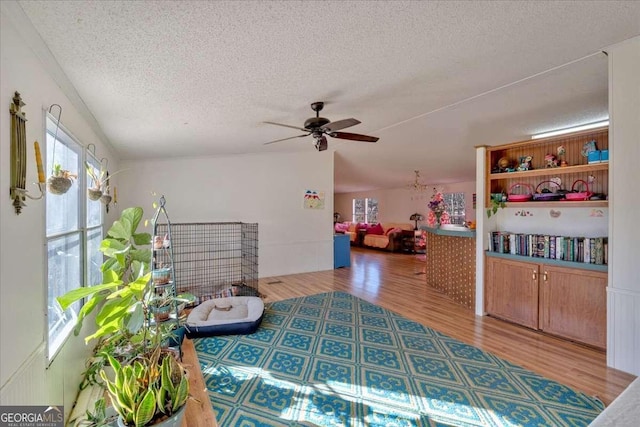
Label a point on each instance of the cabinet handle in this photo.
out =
(544, 276)
(535, 275)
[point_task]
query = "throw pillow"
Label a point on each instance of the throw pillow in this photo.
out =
(376, 229)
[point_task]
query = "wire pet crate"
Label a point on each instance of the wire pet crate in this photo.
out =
(214, 260)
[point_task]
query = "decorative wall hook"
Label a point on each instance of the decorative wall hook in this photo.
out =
(18, 155)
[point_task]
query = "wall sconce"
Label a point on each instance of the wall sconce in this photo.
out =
(18, 160)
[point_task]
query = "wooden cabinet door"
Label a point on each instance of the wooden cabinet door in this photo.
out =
(511, 291)
(574, 304)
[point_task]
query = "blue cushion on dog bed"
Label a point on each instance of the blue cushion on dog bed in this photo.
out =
(225, 316)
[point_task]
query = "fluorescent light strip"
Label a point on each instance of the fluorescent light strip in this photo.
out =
(573, 129)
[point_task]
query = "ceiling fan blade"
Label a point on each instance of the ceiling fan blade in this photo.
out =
(284, 139)
(354, 136)
(287, 126)
(340, 124)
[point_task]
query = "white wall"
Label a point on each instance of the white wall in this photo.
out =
(24, 378)
(623, 310)
(571, 222)
(397, 205)
(267, 189)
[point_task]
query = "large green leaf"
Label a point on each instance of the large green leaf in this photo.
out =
(109, 276)
(76, 294)
(121, 229)
(142, 238)
(124, 292)
(135, 216)
(182, 394)
(142, 255)
(113, 309)
(87, 308)
(127, 224)
(104, 330)
(146, 410)
(111, 247)
(136, 321)
(140, 285)
(109, 265)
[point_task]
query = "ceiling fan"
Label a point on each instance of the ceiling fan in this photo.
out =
(318, 127)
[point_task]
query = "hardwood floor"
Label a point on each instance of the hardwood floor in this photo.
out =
(397, 282)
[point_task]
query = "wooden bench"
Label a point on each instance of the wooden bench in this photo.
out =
(199, 410)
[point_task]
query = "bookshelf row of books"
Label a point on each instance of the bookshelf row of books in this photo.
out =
(593, 250)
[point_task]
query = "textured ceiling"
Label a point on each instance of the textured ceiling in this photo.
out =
(431, 79)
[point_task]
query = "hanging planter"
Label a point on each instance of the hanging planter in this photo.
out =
(60, 181)
(94, 193)
(100, 181)
(105, 199)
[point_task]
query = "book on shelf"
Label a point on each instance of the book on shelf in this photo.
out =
(588, 250)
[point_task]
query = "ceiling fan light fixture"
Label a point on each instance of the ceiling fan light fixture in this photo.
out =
(318, 127)
(321, 144)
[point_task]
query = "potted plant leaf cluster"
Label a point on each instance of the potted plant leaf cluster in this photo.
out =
(147, 385)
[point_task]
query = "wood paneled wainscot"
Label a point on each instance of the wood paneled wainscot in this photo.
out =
(567, 302)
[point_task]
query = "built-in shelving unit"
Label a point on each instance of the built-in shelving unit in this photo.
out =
(560, 297)
(577, 168)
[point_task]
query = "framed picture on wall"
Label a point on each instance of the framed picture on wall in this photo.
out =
(313, 199)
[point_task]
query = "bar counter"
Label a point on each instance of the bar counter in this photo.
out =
(451, 263)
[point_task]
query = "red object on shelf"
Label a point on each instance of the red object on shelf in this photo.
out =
(519, 197)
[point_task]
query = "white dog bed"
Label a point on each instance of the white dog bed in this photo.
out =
(225, 316)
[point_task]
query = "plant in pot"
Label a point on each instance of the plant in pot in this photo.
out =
(153, 388)
(497, 201)
(99, 179)
(124, 324)
(60, 180)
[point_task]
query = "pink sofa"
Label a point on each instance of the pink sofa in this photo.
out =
(387, 236)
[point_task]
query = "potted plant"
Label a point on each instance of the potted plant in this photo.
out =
(153, 390)
(497, 201)
(99, 179)
(127, 333)
(60, 180)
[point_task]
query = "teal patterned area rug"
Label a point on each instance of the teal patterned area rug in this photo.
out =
(336, 360)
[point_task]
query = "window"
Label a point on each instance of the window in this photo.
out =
(455, 207)
(73, 233)
(365, 210)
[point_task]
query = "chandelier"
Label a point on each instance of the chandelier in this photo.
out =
(416, 185)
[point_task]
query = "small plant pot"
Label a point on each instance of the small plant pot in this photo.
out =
(173, 421)
(58, 184)
(94, 194)
(161, 276)
(161, 313)
(105, 199)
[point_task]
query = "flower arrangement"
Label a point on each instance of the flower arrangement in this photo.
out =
(437, 210)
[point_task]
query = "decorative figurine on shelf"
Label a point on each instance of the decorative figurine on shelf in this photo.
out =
(561, 152)
(551, 160)
(525, 163)
(503, 164)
